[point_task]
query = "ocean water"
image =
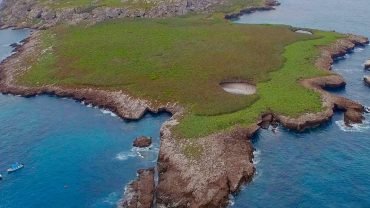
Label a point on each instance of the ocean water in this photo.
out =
(78, 156)
(328, 166)
(74, 155)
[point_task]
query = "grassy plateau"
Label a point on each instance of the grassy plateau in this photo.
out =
(183, 60)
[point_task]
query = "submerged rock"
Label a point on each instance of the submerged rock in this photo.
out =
(142, 142)
(140, 193)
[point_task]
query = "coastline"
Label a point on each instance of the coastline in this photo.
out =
(209, 181)
(200, 178)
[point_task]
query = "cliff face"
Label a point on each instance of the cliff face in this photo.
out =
(140, 193)
(199, 172)
(207, 180)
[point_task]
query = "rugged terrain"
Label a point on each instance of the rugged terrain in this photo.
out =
(44, 14)
(203, 157)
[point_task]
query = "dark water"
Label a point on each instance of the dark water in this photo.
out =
(328, 166)
(75, 156)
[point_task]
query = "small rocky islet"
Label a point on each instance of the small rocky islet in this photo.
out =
(199, 164)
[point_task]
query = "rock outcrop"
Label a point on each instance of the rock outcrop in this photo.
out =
(269, 5)
(367, 80)
(224, 165)
(353, 110)
(367, 64)
(140, 193)
(142, 142)
(35, 14)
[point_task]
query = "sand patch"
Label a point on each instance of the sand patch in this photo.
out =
(304, 32)
(239, 88)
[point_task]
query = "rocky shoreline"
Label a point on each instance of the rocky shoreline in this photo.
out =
(32, 14)
(269, 5)
(140, 193)
(226, 159)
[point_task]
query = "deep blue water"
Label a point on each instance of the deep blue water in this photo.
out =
(75, 156)
(81, 157)
(328, 166)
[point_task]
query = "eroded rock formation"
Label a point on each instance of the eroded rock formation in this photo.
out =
(142, 141)
(198, 172)
(140, 193)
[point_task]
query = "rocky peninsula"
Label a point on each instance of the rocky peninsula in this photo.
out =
(197, 171)
(41, 15)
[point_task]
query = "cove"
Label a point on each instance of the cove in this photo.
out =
(328, 166)
(75, 156)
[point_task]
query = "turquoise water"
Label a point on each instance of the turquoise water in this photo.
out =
(328, 166)
(75, 156)
(82, 157)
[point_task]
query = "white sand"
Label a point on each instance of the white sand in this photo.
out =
(304, 32)
(239, 88)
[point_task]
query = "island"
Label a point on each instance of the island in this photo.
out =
(220, 81)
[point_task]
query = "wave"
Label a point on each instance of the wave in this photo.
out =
(105, 111)
(257, 157)
(111, 199)
(355, 127)
(148, 153)
(231, 201)
(125, 155)
(358, 49)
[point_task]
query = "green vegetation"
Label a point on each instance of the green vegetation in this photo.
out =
(90, 4)
(227, 7)
(184, 60)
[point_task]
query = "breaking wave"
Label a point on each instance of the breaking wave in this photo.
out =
(354, 127)
(125, 155)
(105, 111)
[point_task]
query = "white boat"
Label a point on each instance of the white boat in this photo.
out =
(1, 177)
(15, 167)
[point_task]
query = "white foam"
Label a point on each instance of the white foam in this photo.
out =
(111, 199)
(231, 200)
(257, 157)
(358, 50)
(125, 155)
(105, 111)
(354, 127)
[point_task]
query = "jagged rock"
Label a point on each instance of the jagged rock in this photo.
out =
(140, 193)
(206, 181)
(142, 141)
(367, 64)
(367, 80)
(352, 116)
